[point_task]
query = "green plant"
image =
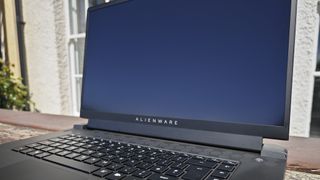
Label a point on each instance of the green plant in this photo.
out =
(13, 94)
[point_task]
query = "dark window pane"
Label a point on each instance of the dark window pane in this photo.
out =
(318, 61)
(315, 126)
(318, 57)
(316, 98)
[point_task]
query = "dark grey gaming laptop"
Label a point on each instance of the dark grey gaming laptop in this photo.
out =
(174, 89)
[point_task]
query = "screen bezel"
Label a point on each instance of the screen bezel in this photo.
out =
(109, 121)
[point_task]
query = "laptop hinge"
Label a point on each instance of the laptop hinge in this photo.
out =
(241, 142)
(218, 139)
(274, 151)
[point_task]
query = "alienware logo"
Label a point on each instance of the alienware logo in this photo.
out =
(159, 121)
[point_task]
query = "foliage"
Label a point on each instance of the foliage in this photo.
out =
(13, 94)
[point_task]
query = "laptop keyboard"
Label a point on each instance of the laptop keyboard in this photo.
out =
(117, 160)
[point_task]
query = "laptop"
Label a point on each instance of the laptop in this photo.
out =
(174, 89)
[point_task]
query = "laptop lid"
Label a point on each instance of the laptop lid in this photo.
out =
(167, 68)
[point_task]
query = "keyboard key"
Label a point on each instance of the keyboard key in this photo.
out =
(98, 154)
(161, 177)
(220, 174)
(33, 145)
(158, 169)
(119, 159)
(64, 141)
(102, 172)
(164, 162)
(55, 151)
(72, 155)
(81, 158)
(132, 162)
(63, 146)
(231, 163)
(117, 152)
(139, 157)
(115, 176)
(18, 149)
(88, 152)
(155, 152)
(109, 157)
(128, 170)
(102, 163)
(179, 159)
(166, 156)
(72, 142)
(42, 155)
(226, 167)
(63, 153)
(127, 154)
(79, 150)
(71, 148)
(71, 138)
(55, 145)
(71, 163)
(200, 162)
(105, 150)
(91, 160)
(114, 166)
(179, 165)
(214, 160)
(144, 165)
(27, 150)
(47, 149)
(45, 142)
(151, 159)
(174, 172)
(142, 173)
(96, 148)
(87, 146)
(195, 172)
(32, 153)
(40, 147)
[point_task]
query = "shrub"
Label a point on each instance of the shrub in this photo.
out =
(13, 94)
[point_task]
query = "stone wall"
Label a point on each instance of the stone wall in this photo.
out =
(304, 66)
(46, 55)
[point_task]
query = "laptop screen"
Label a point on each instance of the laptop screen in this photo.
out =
(184, 62)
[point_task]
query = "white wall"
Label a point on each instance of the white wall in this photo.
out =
(304, 66)
(46, 54)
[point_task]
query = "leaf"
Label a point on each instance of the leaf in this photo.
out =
(13, 94)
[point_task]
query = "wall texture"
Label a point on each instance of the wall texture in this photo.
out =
(304, 66)
(46, 53)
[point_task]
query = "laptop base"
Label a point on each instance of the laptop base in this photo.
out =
(269, 168)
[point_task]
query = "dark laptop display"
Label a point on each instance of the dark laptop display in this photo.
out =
(210, 65)
(174, 90)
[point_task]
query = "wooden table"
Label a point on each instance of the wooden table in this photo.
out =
(303, 158)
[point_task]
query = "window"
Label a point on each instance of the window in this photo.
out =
(315, 122)
(77, 12)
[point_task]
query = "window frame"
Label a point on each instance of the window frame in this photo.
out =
(70, 36)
